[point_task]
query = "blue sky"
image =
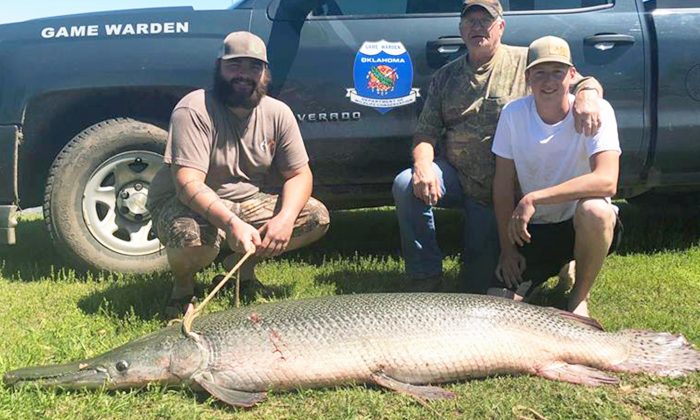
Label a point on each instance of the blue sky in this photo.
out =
(19, 10)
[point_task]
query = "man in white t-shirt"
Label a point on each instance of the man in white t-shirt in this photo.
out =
(560, 206)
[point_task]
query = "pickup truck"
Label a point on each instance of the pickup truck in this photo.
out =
(85, 99)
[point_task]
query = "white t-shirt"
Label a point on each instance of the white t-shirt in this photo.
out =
(546, 155)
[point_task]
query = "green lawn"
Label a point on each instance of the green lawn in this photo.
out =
(51, 314)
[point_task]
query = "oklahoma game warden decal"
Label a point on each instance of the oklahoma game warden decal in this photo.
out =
(383, 75)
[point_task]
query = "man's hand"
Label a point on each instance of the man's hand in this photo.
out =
(511, 266)
(242, 237)
(426, 186)
(587, 112)
(517, 227)
(275, 236)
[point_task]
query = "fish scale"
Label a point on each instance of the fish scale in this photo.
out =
(403, 342)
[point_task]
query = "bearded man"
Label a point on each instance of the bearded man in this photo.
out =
(224, 146)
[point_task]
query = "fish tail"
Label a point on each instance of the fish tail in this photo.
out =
(661, 354)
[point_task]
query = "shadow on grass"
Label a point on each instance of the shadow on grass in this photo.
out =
(649, 230)
(145, 296)
(33, 257)
(375, 232)
(362, 281)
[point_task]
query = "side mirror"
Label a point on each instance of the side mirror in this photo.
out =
(291, 10)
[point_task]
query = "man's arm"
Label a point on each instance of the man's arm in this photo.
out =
(426, 186)
(601, 182)
(296, 191)
(195, 194)
(587, 91)
(511, 263)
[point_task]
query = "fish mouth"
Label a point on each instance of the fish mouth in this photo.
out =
(69, 375)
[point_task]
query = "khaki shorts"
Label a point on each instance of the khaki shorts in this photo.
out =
(178, 226)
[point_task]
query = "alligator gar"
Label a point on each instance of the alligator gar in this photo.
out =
(403, 342)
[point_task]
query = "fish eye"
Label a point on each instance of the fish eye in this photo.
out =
(122, 365)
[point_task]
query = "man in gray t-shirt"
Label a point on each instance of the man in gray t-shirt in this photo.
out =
(223, 146)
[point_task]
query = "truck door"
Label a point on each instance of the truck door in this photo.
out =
(607, 41)
(677, 31)
(355, 72)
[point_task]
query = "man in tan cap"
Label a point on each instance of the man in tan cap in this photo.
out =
(224, 146)
(460, 115)
(566, 179)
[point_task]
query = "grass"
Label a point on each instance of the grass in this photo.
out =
(51, 314)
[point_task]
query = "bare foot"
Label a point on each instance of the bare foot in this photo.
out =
(504, 293)
(581, 309)
(567, 276)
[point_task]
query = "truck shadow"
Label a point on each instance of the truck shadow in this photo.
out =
(145, 296)
(33, 257)
(368, 232)
(375, 232)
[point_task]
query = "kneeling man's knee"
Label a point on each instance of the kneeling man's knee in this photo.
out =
(594, 213)
(403, 185)
(320, 217)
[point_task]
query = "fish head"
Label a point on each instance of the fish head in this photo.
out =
(133, 365)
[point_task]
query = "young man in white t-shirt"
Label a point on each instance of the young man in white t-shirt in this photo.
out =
(560, 207)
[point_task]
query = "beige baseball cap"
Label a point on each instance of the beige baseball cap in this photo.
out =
(492, 6)
(243, 44)
(548, 49)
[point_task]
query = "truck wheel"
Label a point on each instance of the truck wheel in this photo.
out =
(94, 204)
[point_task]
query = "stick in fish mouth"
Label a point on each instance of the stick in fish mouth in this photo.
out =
(403, 342)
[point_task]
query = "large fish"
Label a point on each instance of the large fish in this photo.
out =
(403, 342)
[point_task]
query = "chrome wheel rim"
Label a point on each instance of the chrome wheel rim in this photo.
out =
(114, 203)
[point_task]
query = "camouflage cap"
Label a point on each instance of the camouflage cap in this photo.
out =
(243, 44)
(548, 49)
(492, 6)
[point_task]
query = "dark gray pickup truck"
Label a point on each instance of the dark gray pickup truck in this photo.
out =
(85, 99)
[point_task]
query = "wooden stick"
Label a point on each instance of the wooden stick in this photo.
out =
(193, 312)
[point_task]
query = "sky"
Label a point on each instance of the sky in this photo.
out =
(20, 10)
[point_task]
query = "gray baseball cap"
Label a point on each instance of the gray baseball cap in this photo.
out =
(243, 44)
(548, 49)
(492, 6)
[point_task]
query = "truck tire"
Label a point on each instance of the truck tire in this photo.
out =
(94, 203)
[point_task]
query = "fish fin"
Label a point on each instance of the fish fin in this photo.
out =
(423, 393)
(575, 374)
(580, 319)
(659, 353)
(212, 383)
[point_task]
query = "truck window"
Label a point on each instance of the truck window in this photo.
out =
(385, 7)
(677, 4)
(537, 5)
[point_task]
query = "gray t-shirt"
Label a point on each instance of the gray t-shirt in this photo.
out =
(238, 155)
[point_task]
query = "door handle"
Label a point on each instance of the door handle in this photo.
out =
(439, 51)
(604, 42)
(445, 45)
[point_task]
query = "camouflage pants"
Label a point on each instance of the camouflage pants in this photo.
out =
(178, 226)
